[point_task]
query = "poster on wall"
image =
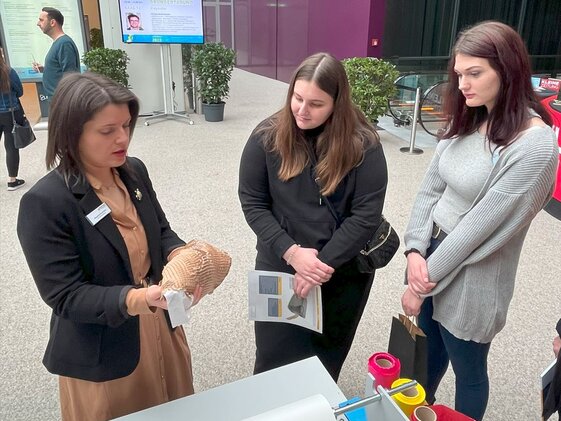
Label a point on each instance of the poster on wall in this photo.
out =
(162, 21)
(25, 43)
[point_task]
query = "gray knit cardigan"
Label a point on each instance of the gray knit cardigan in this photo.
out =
(475, 266)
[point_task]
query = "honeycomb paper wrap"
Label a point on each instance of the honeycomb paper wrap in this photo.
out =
(198, 263)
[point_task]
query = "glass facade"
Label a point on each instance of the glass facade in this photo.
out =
(419, 34)
(272, 36)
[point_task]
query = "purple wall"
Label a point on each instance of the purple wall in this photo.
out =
(274, 36)
(339, 27)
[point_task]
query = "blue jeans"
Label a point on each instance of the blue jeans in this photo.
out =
(468, 358)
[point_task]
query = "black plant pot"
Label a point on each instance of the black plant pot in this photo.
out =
(214, 112)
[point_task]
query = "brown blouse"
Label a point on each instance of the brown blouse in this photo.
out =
(164, 370)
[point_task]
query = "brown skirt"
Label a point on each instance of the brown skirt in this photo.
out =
(162, 375)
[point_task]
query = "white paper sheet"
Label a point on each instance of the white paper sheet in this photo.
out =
(179, 307)
(270, 295)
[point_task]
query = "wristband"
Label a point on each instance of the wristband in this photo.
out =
(292, 254)
(408, 252)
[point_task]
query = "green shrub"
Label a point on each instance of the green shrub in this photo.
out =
(108, 62)
(372, 83)
(213, 64)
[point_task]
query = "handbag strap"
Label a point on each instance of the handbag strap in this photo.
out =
(331, 209)
(324, 198)
(328, 203)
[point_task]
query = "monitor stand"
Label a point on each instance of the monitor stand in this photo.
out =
(169, 111)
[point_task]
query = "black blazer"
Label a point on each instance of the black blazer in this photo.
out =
(83, 272)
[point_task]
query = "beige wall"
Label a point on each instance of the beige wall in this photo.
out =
(91, 9)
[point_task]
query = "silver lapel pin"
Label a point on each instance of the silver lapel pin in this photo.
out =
(138, 194)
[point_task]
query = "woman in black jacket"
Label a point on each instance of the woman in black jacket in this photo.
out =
(96, 239)
(318, 145)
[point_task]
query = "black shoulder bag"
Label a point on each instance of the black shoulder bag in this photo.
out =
(379, 250)
(23, 133)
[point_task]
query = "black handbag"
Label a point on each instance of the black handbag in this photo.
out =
(23, 133)
(382, 246)
(379, 250)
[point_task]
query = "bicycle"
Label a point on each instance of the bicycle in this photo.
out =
(431, 113)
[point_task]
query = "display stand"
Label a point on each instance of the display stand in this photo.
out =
(250, 396)
(169, 111)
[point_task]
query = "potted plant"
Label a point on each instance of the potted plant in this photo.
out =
(108, 62)
(372, 83)
(213, 64)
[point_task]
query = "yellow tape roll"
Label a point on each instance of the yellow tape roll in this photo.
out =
(409, 399)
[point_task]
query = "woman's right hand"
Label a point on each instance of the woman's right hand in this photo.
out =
(307, 265)
(154, 297)
(418, 275)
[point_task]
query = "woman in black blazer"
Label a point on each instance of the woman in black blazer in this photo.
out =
(96, 240)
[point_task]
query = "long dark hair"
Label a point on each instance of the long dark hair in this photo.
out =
(507, 55)
(77, 99)
(4, 75)
(340, 147)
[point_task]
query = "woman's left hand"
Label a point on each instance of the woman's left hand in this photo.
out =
(411, 303)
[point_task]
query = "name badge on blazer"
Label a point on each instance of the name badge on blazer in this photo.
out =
(98, 213)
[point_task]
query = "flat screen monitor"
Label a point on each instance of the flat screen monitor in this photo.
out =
(162, 21)
(24, 42)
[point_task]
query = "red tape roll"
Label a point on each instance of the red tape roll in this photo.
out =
(384, 368)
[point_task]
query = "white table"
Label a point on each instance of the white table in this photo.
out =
(250, 396)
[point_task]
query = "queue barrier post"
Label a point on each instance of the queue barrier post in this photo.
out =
(411, 148)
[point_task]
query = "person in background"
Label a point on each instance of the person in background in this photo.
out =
(96, 239)
(11, 90)
(63, 56)
(491, 173)
(318, 145)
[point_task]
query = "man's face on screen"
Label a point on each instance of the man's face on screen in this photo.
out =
(134, 22)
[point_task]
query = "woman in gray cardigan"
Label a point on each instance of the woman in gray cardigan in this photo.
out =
(491, 173)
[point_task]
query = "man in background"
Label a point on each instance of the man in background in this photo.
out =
(63, 56)
(134, 22)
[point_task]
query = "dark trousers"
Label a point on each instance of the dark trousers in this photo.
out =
(6, 127)
(344, 298)
(468, 358)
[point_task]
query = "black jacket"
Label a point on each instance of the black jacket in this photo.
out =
(285, 213)
(83, 272)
